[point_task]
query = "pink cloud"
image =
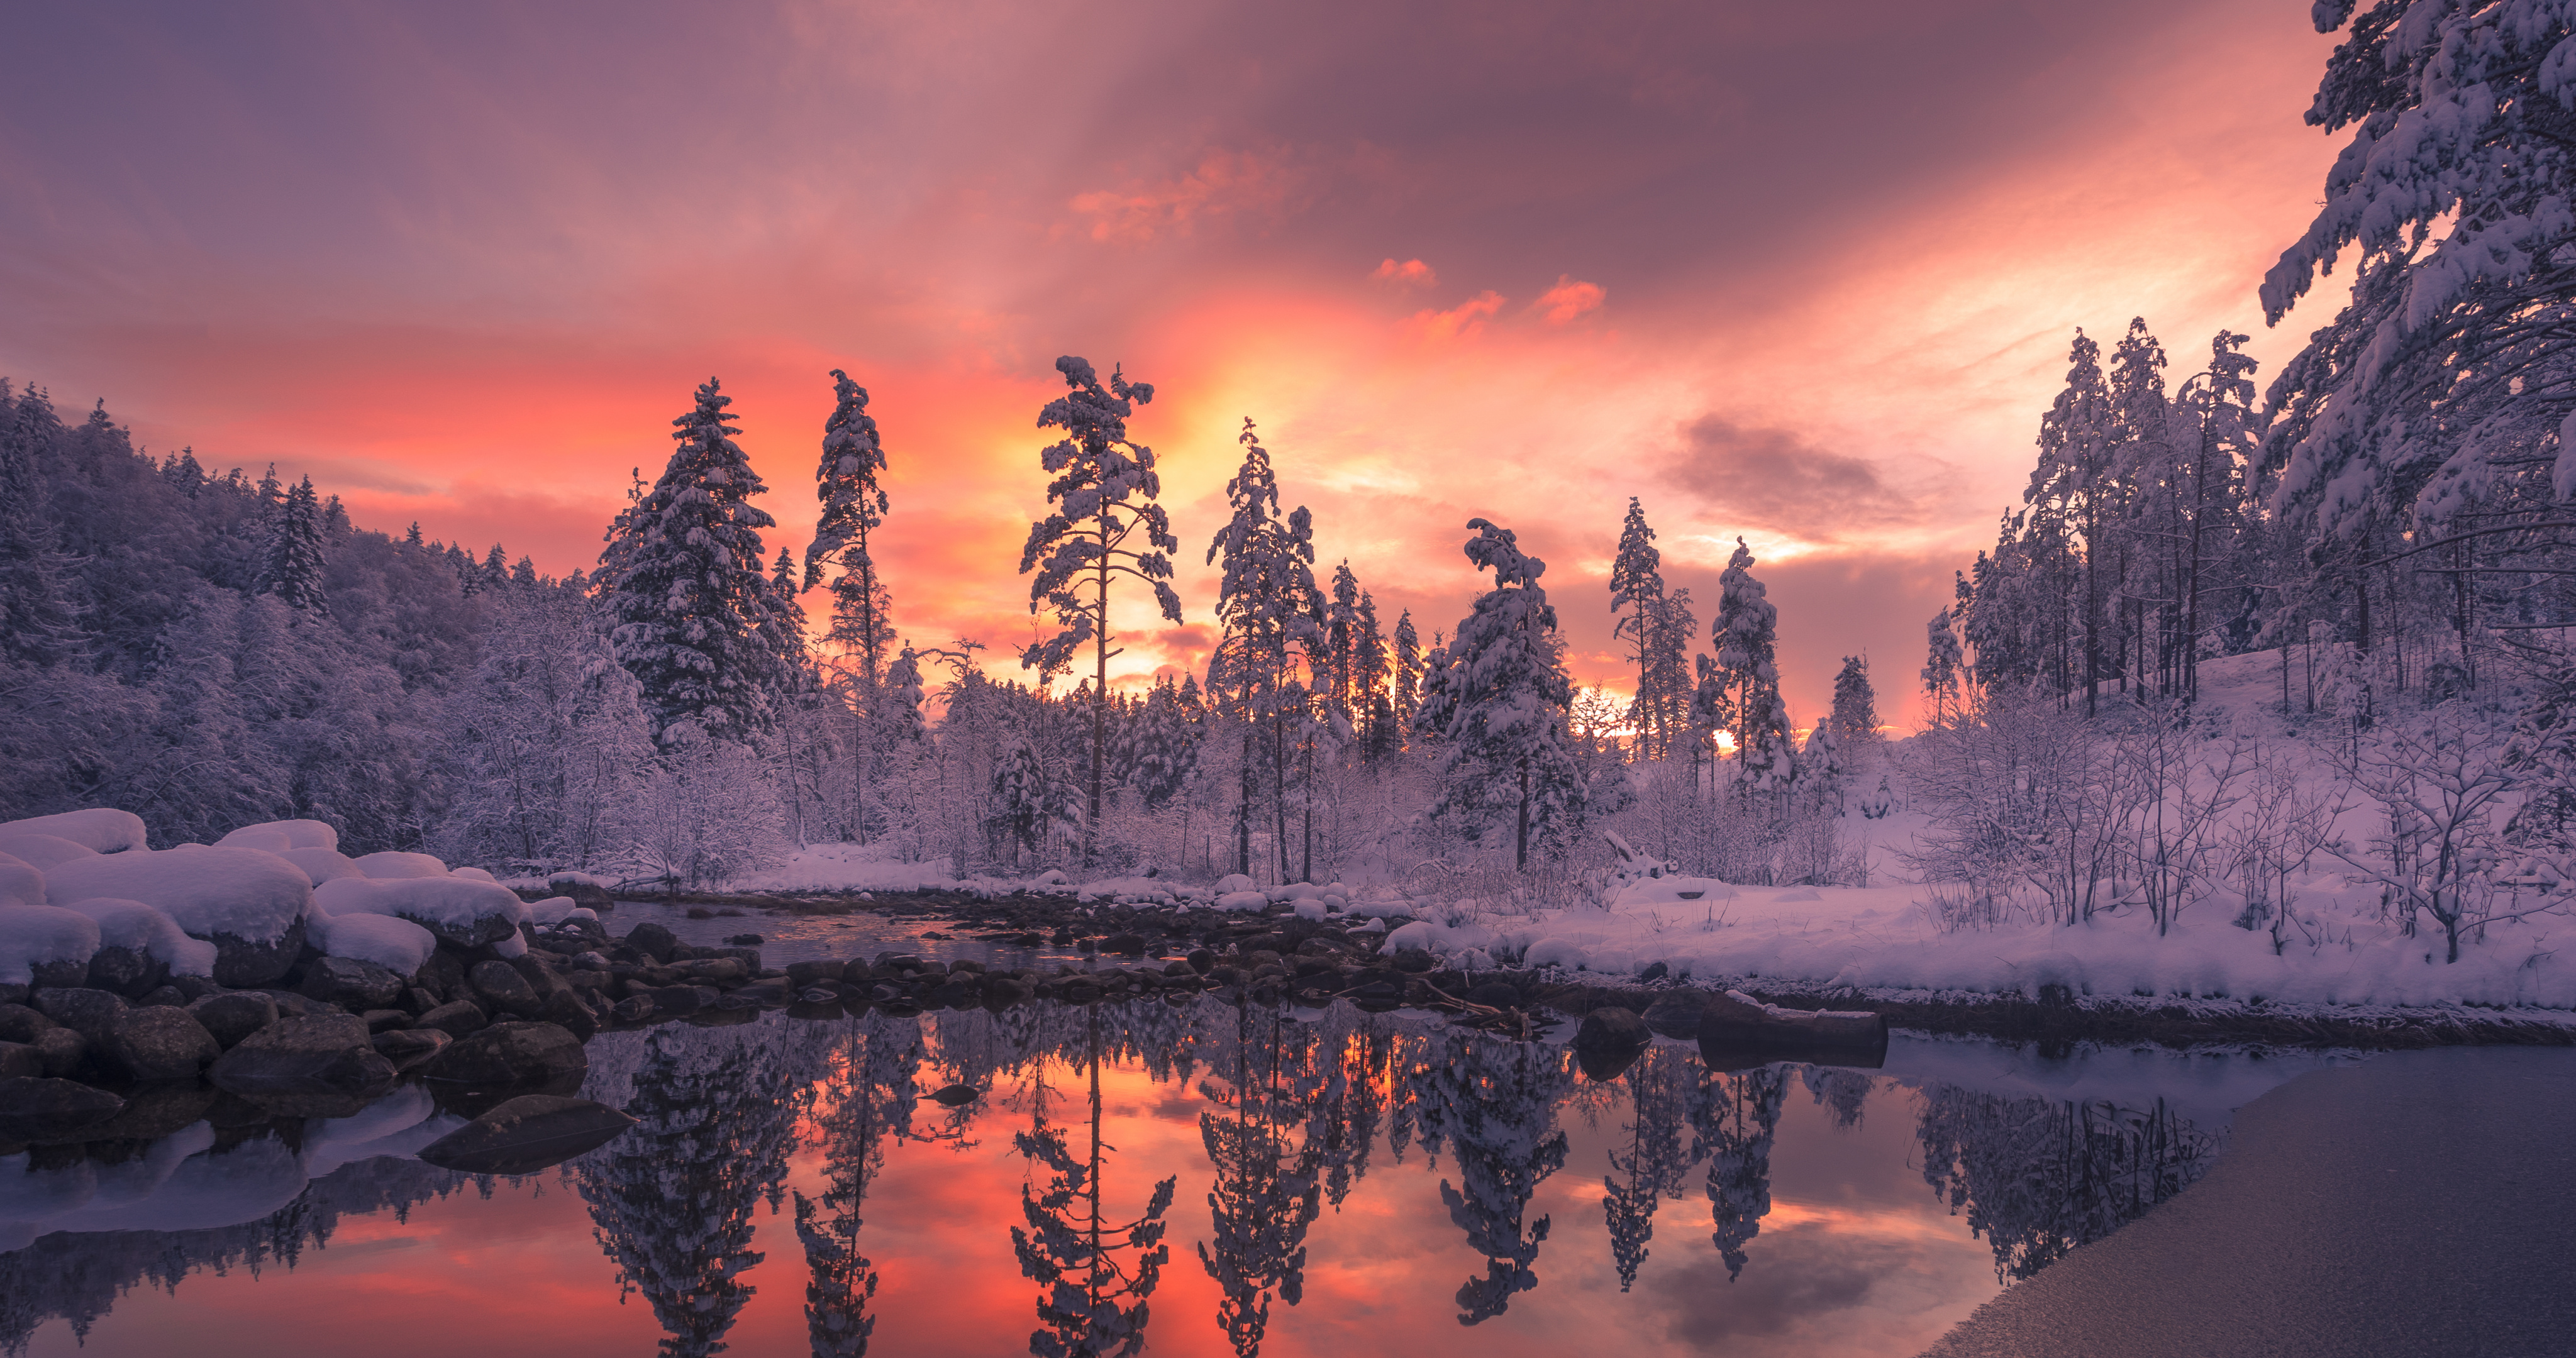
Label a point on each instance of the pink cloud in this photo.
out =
(1570, 298)
(1462, 321)
(1412, 273)
(1226, 184)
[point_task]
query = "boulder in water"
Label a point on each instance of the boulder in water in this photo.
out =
(527, 1134)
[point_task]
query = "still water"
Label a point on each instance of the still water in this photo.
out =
(1132, 1178)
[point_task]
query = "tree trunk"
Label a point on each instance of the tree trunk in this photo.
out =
(1522, 857)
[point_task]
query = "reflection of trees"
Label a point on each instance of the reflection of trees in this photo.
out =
(1655, 1164)
(1266, 1194)
(671, 1202)
(1346, 1116)
(1093, 1305)
(1494, 1102)
(2039, 1177)
(874, 1070)
(1735, 1117)
(1842, 1091)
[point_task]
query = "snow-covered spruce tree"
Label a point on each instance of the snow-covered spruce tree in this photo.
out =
(694, 621)
(1637, 588)
(1499, 702)
(1340, 686)
(293, 570)
(1405, 691)
(2073, 485)
(1270, 609)
(1106, 524)
(1746, 632)
(1855, 717)
(1377, 708)
(1944, 665)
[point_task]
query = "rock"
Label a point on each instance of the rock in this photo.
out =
(510, 1054)
(1495, 995)
(234, 1016)
(652, 940)
(1201, 961)
(456, 1018)
(64, 1052)
(159, 1044)
(1609, 1041)
(94, 1014)
(680, 1001)
(38, 1109)
(254, 962)
(20, 1061)
(585, 895)
(1676, 1013)
(538, 971)
(1413, 960)
(194, 988)
(127, 971)
(168, 996)
(527, 1134)
(565, 1010)
(152, 1112)
(441, 974)
(1736, 1031)
(1654, 971)
(18, 1023)
(409, 1048)
(320, 1055)
(501, 988)
(803, 974)
(1128, 945)
(350, 983)
(385, 1020)
(957, 1096)
(14, 992)
(633, 1009)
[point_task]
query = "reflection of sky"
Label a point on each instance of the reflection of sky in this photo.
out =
(1797, 275)
(1855, 1258)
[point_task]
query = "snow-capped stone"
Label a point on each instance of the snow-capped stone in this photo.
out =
(1233, 882)
(322, 865)
(398, 945)
(557, 909)
(472, 874)
(458, 910)
(135, 925)
(391, 865)
(41, 851)
(248, 903)
(299, 834)
(100, 829)
(20, 883)
(45, 945)
(1244, 900)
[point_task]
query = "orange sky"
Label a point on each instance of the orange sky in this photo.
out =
(1803, 277)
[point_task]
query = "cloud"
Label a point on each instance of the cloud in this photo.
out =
(1778, 479)
(1226, 184)
(1570, 298)
(1412, 273)
(1462, 321)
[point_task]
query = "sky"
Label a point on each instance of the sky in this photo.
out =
(1804, 275)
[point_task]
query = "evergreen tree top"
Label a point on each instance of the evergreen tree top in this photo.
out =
(1746, 627)
(1636, 573)
(854, 504)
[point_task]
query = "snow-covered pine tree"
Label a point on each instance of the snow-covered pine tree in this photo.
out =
(1823, 769)
(1405, 694)
(1746, 634)
(1377, 711)
(854, 505)
(1104, 492)
(694, 618)
(1711, 711)
(410, 539)
(2073, 483)
(293, 570)
(1944, 667)
(2218, 403)
(1500, 703)
(1637, 588)
(496, 568)
(1270, 609)
(1341, 648)
(1855, 717)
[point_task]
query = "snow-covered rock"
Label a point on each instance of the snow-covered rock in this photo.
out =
(1233, 882)
(391, 942)
(557, 909)
(391, 865)
(323, 865)
(299, 834)
(1252, 899)
(459, 910)
(473, 875)
(140, 929)
(45, 945)
(100, 829)
(20, 882)
(41, 851)
(249, 904)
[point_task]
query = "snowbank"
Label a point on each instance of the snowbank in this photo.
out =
(139, 927)
(43, 851)
(252, 895)
(322, 865)
(33, 935)
(455, 903)
(298, 834)
(397, 945)
(20, 883)
(392, 865)
(99, 829)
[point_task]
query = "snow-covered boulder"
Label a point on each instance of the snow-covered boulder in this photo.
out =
(44, 945)
(391, 865)
(299, 834)
(41, 851)
(473, 874)
(323, 865)
(20, 883)
(1232, 882)
(557, 909)
(458, 910)
(388, 941)
(139, 947)
(1254, 899)
(100, 829)
(249, 904)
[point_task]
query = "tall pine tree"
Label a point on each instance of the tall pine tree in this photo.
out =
(1499, 699)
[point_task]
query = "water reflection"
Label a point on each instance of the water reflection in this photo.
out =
(1382, 1157)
